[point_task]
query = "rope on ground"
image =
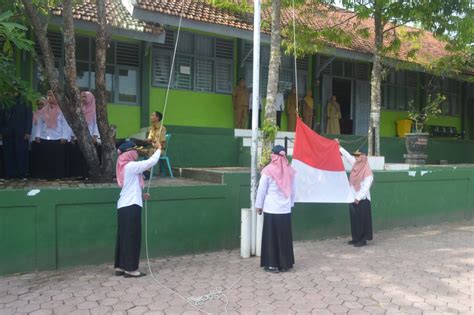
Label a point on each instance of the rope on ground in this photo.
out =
(218, 293)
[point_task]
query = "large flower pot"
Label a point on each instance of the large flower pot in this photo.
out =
(417, 145)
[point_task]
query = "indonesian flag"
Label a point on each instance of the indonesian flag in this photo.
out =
(320, 174)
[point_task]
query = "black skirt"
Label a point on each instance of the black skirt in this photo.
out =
(129, 238)
(361, 221)
(277, 241)
(50, 159)
(77, 166)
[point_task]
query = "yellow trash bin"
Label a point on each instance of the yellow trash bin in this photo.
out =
(403, 127)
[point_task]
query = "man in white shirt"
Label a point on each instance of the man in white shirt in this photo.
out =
(280, 107)
(259, 111)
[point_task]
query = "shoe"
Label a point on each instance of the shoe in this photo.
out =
(129, 275)
(351, 242)
(272, 269)
(360, 244)
(283, 269)
(119, 272)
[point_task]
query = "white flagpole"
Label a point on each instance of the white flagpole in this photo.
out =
(255, 105)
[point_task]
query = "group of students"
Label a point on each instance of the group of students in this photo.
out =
(275, 199)
(41, 144)
(242, 103)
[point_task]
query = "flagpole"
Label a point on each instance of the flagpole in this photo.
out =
(255, 105)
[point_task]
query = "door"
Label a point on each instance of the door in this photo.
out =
(326, 95)
(362, 107)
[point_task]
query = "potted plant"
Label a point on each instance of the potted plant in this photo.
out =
(417, 142)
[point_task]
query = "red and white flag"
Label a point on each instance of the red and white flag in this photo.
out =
(320, 174)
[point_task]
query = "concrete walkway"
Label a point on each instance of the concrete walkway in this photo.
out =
(427, 270)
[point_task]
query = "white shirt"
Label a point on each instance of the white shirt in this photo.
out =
(44, 132)
(271, 199)
(279, 102)
(131, 193)
(364, 191)
(259, 102)
(93, 130)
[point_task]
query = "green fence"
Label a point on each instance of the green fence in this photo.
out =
(60, 228)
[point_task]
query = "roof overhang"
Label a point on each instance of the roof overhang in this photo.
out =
(114, 31)
(171, 20)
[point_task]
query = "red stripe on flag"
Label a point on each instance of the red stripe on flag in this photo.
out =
(316, 151)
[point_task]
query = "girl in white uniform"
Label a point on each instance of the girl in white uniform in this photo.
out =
(130, 178)
(275, 198)
(360, 211)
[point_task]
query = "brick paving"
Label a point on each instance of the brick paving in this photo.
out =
(428, 270)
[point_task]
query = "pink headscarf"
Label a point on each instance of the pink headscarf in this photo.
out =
(281, 172)
(88, 108)
(360, 171)
(122, 161)
(50, 112)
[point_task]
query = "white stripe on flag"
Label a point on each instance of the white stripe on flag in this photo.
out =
(315, 185)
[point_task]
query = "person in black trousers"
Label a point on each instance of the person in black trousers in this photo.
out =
(16, 131)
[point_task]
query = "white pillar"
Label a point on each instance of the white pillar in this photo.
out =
(255, 104)
(259, 235)
(245, 237)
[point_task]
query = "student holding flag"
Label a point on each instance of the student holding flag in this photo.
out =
(360, 180)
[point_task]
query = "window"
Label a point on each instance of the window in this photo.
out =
(122, 68)
(399, 90)
(286, 75)
(202, 63)
(448, 88)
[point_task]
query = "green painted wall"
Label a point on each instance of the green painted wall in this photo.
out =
(126, 117)
(60, 228)
(189, 108)
(388, 122)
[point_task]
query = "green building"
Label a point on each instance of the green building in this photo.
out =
(215, 49)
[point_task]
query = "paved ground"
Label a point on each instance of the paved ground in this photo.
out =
(428, 270)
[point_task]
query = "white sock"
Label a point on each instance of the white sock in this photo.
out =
(133, 273)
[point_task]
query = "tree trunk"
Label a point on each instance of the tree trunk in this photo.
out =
(72, 107)
(108, 143)
(273, 78)
(375, 81)
(40, 28)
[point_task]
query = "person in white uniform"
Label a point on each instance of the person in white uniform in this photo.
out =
(280, 107)
(275, 198)
(50, 137)
(361, 179)
(130, 177)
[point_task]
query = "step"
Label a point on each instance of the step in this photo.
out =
(247, 142)
(247, 133)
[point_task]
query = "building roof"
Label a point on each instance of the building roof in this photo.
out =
(117, 16)
(201, 10)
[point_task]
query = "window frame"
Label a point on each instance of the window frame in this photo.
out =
(195, 57)
(91, 69)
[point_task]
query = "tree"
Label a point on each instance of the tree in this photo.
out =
(269, 124)
(12, 35)
(449, 20)
(69, 96)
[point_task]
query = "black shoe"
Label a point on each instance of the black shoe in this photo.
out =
(283, 269)
(129, 275)
(352, 242)
(272, 269)
(119, 273)
(360, 244)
